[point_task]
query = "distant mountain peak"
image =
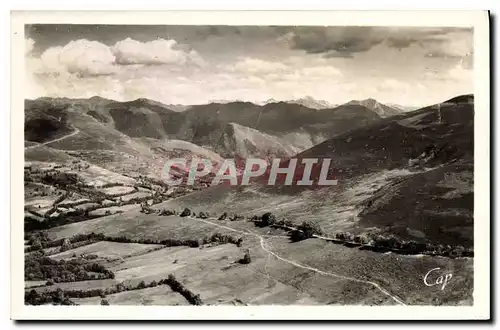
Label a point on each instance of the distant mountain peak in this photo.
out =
(381, 109)
(310, 102)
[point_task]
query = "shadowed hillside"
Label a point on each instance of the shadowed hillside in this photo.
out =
(408, 175)
(233, 129)
(381, 109)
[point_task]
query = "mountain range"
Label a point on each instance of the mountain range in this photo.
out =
(410, 175)
(403, 203)
(229, 129)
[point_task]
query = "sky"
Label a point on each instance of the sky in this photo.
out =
(409, 66)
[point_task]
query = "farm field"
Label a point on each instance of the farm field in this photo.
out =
(102, 225)
(118, 190)
(137, 225)
(114, 209)
(328, 273)
(160, 295)
(79, 285)
(107, 250)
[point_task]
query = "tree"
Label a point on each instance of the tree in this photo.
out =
(268, 219)
(310, 228)
(32, 298)
(197, 300)
(186, 212)
(246, 258)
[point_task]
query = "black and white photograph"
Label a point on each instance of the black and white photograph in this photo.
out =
(252, 165)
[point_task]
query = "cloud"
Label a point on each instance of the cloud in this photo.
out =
(92, 58)
(81, 57)
(452, 45)
(393, 85)
(338, 40)
(345, 42)
(255, 65)
(460, 73)
(321, 71)
(404, 37)
(292, 67)
(335, 54)
(333, 63)
(158, 51)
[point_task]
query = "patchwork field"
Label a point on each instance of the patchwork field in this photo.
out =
(137, 225)
(307, 272)
(107, 250)
(114, 209)
(81, 285)
(160, 295)
(118, 190)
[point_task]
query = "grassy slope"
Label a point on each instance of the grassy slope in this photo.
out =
(213, 273)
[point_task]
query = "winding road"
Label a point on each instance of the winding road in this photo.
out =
(76, 131)
(296, 264)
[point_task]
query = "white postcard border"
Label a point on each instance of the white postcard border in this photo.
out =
(476, 19)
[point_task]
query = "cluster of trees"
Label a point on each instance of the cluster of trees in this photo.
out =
(215, 238)
(267, 219)
(305, 230)
(270, 220)
(37, 240)
(175, 285)
(372, 242)
(60, 179)
(166, 242)
(112, 184)
(40, 240)
(57, 297)
(202, 215)
(166, 212)
(32, 224)
(393, 243)
(186, 212)
(37, 266)
(62, 297)
(223, 239)
(234, 217)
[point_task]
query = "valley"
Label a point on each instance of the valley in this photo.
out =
(102, 226)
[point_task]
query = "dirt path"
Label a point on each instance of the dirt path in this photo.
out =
(76, 131)
(296, 264)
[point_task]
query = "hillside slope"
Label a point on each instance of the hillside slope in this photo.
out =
(381, 109)
(234, 129)
(408, 176)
